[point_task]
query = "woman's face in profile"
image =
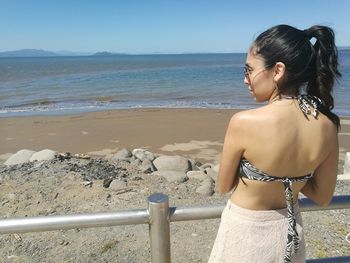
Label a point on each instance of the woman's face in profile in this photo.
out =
(258, 78)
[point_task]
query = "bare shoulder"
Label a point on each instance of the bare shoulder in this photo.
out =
(328, 127)
(247, 118)
(243, 126)
(242, 120)
(327, 123)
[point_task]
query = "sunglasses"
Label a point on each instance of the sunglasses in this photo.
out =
(248, 71)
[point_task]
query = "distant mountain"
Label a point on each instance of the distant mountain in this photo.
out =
(72, 53)
(103, 54)
(29, 53)
(45, 53)
(107, 54)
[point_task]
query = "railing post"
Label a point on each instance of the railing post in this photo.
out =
(159, 229)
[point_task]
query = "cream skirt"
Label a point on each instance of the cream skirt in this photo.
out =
(255, 236)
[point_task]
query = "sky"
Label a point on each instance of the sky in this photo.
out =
(154, 26)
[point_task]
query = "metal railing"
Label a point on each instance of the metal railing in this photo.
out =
(158, 216)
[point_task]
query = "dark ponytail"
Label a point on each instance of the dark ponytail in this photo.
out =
(315, 65)
(326, 69)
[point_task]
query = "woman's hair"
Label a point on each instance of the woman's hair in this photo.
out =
(315, 65)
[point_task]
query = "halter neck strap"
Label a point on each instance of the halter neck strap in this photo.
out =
(308, 104)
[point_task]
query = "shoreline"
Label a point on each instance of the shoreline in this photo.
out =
(197, 133)
(61, 113)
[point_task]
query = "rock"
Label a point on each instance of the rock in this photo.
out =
(136, 162)
(142, 154)
(197, 175)
(211, 173)
(147, 166)
(117, 185)
(19, 157)
(64, 156)
(194, 165)
(87, 183)
(82, 156)
(206, 188)
(123, 155)
(172, 176)
(17, 237)
(216, 168)
(107, 182)
(205, 166)
(347, 163)
(44, 155)
(171, 163)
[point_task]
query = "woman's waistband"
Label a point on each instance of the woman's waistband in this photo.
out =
(259, 215)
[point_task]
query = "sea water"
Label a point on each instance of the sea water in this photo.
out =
(68, 85)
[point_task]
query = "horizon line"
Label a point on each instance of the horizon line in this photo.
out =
(61, 53)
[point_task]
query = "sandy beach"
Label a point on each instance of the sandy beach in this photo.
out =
(73, 185)
(198, 133)
(195, 133)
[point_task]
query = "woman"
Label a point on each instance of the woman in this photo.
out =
(272, 153)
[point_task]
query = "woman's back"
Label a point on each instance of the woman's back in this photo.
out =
(280, 141)
(272, 153)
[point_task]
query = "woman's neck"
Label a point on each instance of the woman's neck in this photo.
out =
(277, 97)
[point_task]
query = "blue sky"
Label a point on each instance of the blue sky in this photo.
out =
(176, 26)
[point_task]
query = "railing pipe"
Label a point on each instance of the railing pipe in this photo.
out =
(215, 211)
(159, 228)
(48, 223)
(138, 216)
(337, 202)
(158, 216)
(195, 212)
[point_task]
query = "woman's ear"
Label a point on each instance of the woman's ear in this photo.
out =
(280, 71)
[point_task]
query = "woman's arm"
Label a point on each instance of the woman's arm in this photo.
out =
(231, 154)
(320, 188)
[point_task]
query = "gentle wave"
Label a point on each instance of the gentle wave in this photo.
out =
(57, 108)
(63, 109)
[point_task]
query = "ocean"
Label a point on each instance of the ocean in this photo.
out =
(69, 85)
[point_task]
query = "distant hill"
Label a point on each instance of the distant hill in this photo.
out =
(72, 53)
(42, 53)
(45, 53)
(29, 53)
(108, 54)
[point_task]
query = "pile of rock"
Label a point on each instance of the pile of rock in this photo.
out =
(173, 168)
(123, 166)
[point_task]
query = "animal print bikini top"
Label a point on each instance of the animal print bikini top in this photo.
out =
(250, 172)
